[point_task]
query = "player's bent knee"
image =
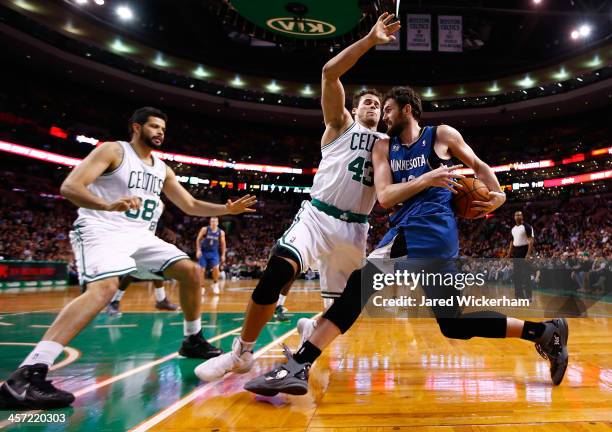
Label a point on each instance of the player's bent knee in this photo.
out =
(278, 273)
(103, 291)
(184, 271)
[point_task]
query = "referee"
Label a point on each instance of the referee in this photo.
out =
(520, 248)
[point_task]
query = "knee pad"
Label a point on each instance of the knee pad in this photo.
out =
(277, 274)
(346, 309)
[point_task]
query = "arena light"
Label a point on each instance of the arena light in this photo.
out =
(562, 74)
(99, 2)
(124, 12)
(119, 46)
(200, 72)
(494, 88)
(307, 91)
(237, 81)
(81, 2)
(429, 93)
(574, 34)
(526, 82)
(160, 61)
(273, 87)
(26, 5)
(594, 62)
(537, 2)
(585, 30)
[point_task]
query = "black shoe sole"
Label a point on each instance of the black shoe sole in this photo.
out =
(295, 390)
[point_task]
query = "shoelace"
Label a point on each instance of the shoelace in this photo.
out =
(540, 349)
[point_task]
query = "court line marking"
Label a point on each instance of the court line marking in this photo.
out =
(127, 373)
(199, 391)
(103, 326)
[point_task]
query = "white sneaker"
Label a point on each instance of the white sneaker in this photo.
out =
(233, 361)
(215, 288)
(306, 327)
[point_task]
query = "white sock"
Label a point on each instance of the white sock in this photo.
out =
(281, 300)
(118, 296)
(327, 302)
(246, 346)
(192, 327)
(45, 352)
(160, 294)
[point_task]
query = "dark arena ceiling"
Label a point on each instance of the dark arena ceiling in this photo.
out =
(511, 51)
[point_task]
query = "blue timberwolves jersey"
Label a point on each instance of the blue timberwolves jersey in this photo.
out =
(210, 243)
(410, 161)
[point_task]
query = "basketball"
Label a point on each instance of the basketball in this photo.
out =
(472, 190)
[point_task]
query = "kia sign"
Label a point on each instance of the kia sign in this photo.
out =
(301, 27)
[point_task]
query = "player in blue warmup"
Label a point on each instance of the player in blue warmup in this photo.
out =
(210, 240)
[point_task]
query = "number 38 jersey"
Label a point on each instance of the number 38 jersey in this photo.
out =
(132, 177)
(345, 177)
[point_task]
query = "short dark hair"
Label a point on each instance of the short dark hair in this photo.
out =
(357, 96)
(406, 96)
(141, 116)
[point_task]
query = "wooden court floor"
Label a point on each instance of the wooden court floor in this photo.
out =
(383, 375)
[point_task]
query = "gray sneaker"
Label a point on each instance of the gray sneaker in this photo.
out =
(113, 309)
(552, 346)
(290, 378)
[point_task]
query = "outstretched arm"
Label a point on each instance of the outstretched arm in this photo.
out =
(335, 115)
(187, 203)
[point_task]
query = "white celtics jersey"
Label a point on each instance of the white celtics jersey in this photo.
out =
(345, 177)
(132, 177)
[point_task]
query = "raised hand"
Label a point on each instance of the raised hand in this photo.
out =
(241, 205)
(383, 30)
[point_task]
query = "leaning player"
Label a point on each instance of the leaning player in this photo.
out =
(333, 227)
(117, 188)
(210, 240)
(413, 168)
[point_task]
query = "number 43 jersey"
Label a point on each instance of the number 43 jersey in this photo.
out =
(345, 177)
(133, 177)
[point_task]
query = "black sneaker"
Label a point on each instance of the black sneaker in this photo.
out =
(113, 308)
(290, 378)
(195, 346)
(279, 314)
(166, 305)
(552, 346)
(27, 388)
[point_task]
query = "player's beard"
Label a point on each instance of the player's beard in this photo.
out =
(397, 128)
(148, 141)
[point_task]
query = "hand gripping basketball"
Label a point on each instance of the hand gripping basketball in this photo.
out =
(444, 176)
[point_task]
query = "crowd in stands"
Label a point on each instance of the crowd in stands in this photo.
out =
(35, 221)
